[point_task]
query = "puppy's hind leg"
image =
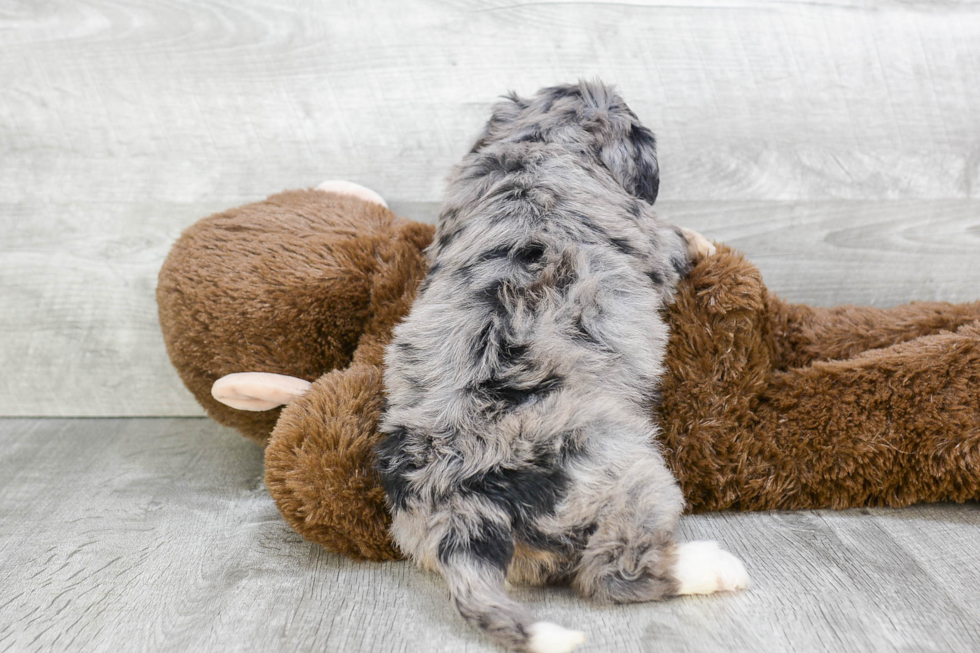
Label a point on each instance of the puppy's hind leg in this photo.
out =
(652, 567)
(626, 568)
(632, 555)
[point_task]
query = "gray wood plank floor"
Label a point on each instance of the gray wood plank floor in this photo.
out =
(158, 535)
(835, 141)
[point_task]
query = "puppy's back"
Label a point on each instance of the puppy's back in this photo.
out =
(537, 322)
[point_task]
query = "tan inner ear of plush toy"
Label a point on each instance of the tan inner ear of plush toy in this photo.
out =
(350, 188)
(257, 391)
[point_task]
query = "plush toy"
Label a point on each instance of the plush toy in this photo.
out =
(765, 405)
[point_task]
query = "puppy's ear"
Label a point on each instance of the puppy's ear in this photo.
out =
(631, 155)
(502, 116)
(623, 144)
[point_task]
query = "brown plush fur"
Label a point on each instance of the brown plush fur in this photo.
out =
(766, 405)
(769, 405)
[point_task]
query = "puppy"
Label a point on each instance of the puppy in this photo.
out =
(519, 442)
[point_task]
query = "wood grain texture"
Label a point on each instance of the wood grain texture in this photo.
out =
(843, 133)
(158, 535)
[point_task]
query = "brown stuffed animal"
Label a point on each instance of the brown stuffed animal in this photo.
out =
(766, 404)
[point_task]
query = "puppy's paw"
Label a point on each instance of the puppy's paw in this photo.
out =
(551, 638)
(704, 568)
(698, 246)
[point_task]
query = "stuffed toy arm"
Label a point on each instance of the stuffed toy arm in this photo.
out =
(319, 459)
(807, 334)
(823, 413)
(319, 465)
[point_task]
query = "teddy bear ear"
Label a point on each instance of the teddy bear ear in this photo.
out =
(342, 187)
(257, 391)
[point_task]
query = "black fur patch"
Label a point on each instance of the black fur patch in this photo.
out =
(647, 182)
(491, 544)
(497, 163)
(505, 394)
(557, 452)
(511, 354)
(525, 494)
(583, 533)
(681, 265)
(624, 246)
(491, 296)
(655, 277)
(528, 253)
(566, 543)
(447, 237)
(494, 348)
(536, 539)
(394, 466)
(523, 255)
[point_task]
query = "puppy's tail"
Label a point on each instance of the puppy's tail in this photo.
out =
(476, 572)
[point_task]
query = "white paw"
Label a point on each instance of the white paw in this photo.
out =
(552, 638)
(350, 188)
(704, 568)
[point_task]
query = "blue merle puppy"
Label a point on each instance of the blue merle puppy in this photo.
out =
(519, 443)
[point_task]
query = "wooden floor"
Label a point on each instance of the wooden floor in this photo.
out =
(158, 535)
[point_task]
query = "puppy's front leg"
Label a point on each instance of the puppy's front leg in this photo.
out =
(698, 246)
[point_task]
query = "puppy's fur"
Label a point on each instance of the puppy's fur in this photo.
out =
(518, 440)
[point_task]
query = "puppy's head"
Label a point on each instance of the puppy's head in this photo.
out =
(588, 117)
